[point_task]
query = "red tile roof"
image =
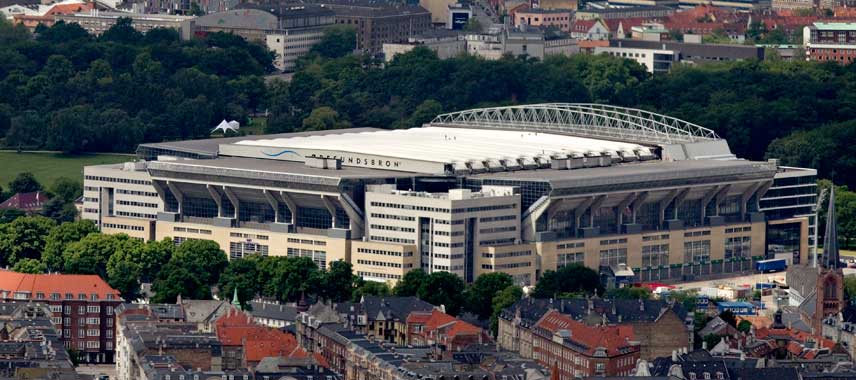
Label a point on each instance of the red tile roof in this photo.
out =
(612, 338)
(25, 201)
(259, 342)
(66, 9)
(62, 284)
(437, 319)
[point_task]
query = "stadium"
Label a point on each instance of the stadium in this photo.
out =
(637, 195)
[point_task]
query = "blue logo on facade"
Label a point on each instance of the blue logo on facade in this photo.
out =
(280, 153)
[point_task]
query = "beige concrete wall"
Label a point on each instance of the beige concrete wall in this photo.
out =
(278, 242)
(804, 247)
(136, 228)
(548, 251)
(496, 259)
(398, 259)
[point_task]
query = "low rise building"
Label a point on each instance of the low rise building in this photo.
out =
(659, 57)
(377, 23)
(382, 318)
(830, 41)
(26, 202)
(538, 17)
(273, 314)
(31, 345)
(96, 22)
(289, 30)
(443, 43)
(81, 309)
(49, 17)
(659, 326)
(603, 11)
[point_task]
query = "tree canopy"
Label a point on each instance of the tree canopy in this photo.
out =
(573, 278)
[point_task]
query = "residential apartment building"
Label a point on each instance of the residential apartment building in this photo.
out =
(96, 22)
(659, 326)
(81, 309)
(377, 23)
(289, 30)
(31, 344)
(445, 44)
(382, 318)
(830, 41)
(577, 350)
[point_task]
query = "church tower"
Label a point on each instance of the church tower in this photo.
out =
(830, 279)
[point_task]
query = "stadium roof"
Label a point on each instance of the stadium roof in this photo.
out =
(581, 119)
(461, 147)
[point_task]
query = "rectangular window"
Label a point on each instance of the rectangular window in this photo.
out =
(613, 256)
(655, 255)
(697, 252)
(93, 309)
(738, 247)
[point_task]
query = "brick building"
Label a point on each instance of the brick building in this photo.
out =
(577, 350)
(82, 308)
(659, 326)
(830, 42)
(439, 328)
(379, 22)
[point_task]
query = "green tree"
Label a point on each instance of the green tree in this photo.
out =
(629, 293)
(338, 41)
(744, 326)
(91, 254)
(24, 238)
(24, 182)
(153, 256)
(337, 283)
(59, 210)
(567, 279)
(26, 130)
(324, 118)
(424, 113)
(203, 257)
(298, 277)
(502, 300)
(8, 215)
(728, 317)
(70, 129)
(370, 288)
(410, 283)
(60, 237)
(122, 32)
(443, 288)
(711, 340)
(29, 266)
(174, 280)
(483, 290)
(243, 275)
(66, 189)
(123, 274)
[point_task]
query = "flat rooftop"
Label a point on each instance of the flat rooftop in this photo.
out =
(439, 146)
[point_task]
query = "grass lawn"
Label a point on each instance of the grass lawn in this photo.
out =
(841, 251)
(47, 167)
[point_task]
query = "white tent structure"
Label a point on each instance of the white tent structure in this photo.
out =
(225, 126)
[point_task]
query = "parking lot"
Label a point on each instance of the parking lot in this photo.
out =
(97, 370)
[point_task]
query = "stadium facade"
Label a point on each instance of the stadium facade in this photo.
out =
(520, 190)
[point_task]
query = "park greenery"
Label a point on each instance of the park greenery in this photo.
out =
(60, 205)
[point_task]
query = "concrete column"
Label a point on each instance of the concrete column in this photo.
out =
(638, 202)
(274, 203)
(291, 204)
(331, 208)
(619, 208)
(236, 204)
(218, 199)
(177, 194)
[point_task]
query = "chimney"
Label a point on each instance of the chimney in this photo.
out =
(674, 356)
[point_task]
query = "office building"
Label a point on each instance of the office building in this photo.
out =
(834, 41)
(96, 22)
(558, 18)
(81, 308)
(289, 30)
(446, 44)
(520, 189)
(660, 56)
(378, 23)
(604, 11)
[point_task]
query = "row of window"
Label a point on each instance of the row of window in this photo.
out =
(133, 214)
(318, 257)
(135, 203)
(655, 237)
(393, 217)
(571, 245)
(123, 227)
(307, 241)
(118, 180)
(391, 239)
(697, 233)
(496, 242)
(613, 241)
(58, 296)
(379, 263)
(383, 252)
(191, 230)
(497, 218)
(447, 233)
(738, 229)
(248, 236)
(392, 228)
(444, 210)
(134, 192)
(502, 255)
(497, 230)
(379, 275)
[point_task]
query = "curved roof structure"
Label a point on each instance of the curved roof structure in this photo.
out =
(582, 119)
